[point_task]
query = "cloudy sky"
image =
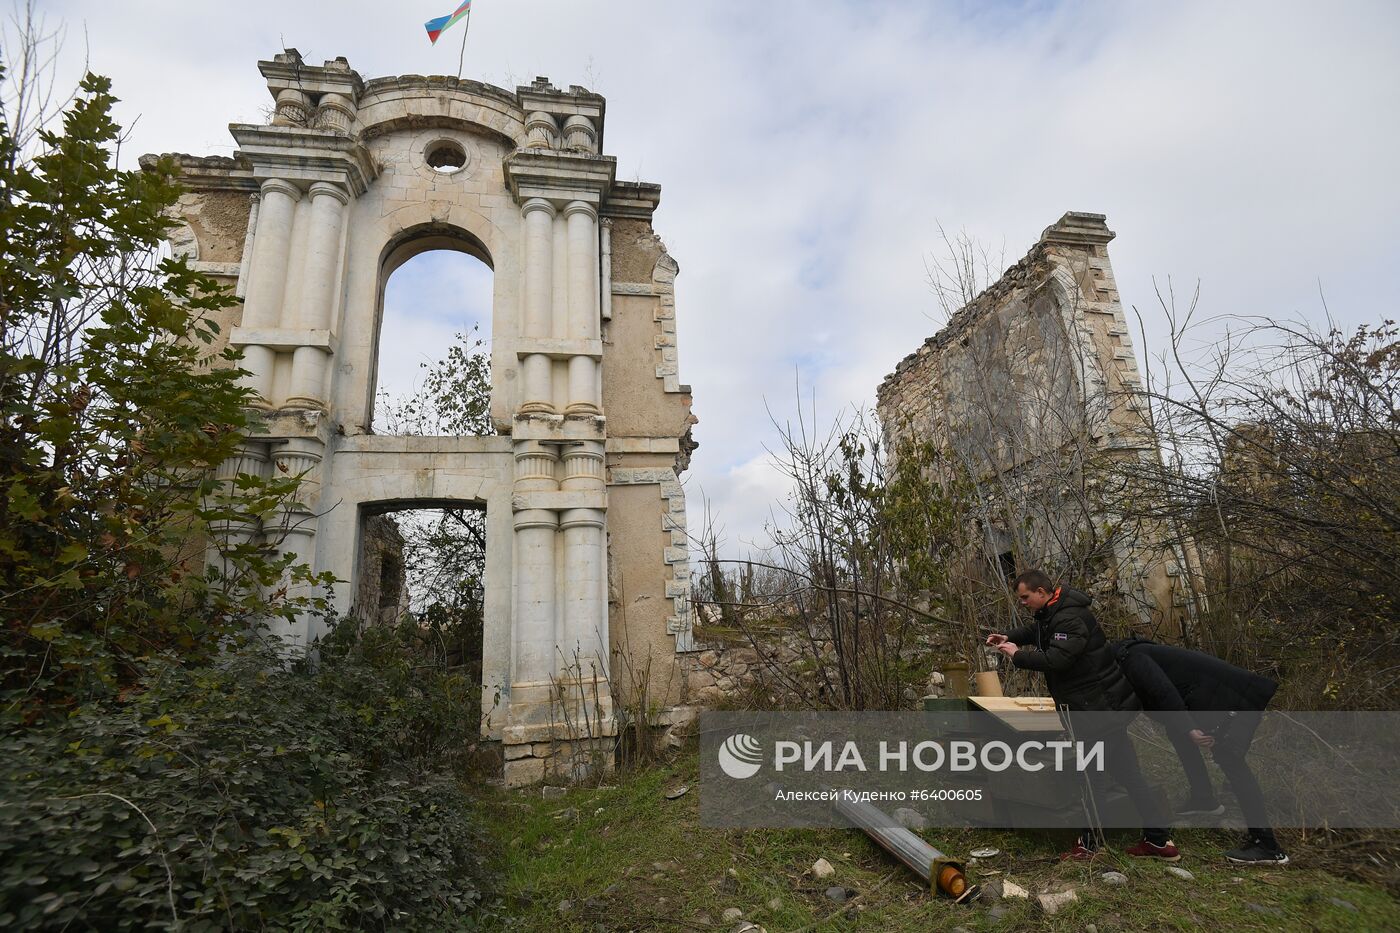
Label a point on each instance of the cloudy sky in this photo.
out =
(808, 153)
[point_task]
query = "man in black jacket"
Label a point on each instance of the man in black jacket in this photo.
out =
(1067, 645)
(1216, 706)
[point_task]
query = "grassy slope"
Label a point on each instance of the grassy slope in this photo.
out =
(626, 858)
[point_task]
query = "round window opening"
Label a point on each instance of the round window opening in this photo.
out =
(446, 156)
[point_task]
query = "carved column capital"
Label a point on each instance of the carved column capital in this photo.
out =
(580, 207)
(280, 186)
(329, 189)
(537, 204)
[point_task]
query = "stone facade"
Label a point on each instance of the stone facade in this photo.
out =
(306, 222)
(1031, 384)
(381, 596)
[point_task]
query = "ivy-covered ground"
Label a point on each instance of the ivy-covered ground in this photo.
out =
(624, 857)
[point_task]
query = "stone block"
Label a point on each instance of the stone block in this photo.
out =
(522, 772)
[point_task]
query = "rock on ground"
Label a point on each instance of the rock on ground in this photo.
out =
(822, 868)
(1054, 901)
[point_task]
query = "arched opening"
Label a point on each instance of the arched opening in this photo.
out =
(423, 563)
(432, 365)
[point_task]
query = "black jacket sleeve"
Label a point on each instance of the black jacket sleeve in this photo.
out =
(1063, 645)
(1024, 635)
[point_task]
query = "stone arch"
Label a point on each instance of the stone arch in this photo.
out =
(404, 246)
(371, 256)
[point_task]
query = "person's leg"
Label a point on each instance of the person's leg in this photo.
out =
(1245, 786)
(1202, 791)
(1121, 762)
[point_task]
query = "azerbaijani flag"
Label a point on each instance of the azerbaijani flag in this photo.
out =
(437, 27)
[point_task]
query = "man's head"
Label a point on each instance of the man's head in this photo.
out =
(1034, 589)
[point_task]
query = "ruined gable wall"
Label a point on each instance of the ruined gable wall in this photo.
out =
(1037, 373)
(1040, 356)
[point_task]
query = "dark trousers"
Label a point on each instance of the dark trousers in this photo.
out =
(1193, 764)
(1121, 764)
(1229, 752)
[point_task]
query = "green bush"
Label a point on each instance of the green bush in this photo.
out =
(243, 796)
(116, 410)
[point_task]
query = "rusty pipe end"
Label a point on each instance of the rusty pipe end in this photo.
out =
(953, 883)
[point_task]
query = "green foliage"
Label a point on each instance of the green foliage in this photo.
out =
(114, 413)
(455, 398)
(246, 796)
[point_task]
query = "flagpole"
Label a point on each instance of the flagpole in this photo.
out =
(462, 56)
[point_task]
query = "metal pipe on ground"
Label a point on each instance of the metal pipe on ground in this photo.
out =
(938, 871)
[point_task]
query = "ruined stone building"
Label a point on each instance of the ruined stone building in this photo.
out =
(586, 566)
(1033, 389)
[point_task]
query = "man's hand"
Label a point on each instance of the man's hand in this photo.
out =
(996, 639)
(1201, 739)
(1007, 648)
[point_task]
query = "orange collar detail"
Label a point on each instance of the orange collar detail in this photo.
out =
(1056, 598)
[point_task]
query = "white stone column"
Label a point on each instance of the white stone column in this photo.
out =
(584, 639)
(300, 456)
(539, 304)
(533, 662)
(262, 308)
(319, 287)
(228, 536)
(582, 220)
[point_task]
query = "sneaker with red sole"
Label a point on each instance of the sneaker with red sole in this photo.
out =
(1163, 853)
(1080, 853)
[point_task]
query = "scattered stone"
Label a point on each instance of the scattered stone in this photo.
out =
(747, 927)
(1345, 905)
(703, 920)
(821, 868)
(1181, 873)
(985, 852)
(1012, 889)
(775, 903)
(838, 894)
(960, 929)
(1091, 928)
(911, 819)
(678, 792)
(551, 792)
(565, 906)
(1055, 900)
(1266, 911)
(567, 815)
(997, 912)
(1114, 877)
(731, 915)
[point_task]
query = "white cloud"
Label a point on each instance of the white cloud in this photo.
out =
(807, 152)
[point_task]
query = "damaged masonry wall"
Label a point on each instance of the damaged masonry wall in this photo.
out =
(1029, 383)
